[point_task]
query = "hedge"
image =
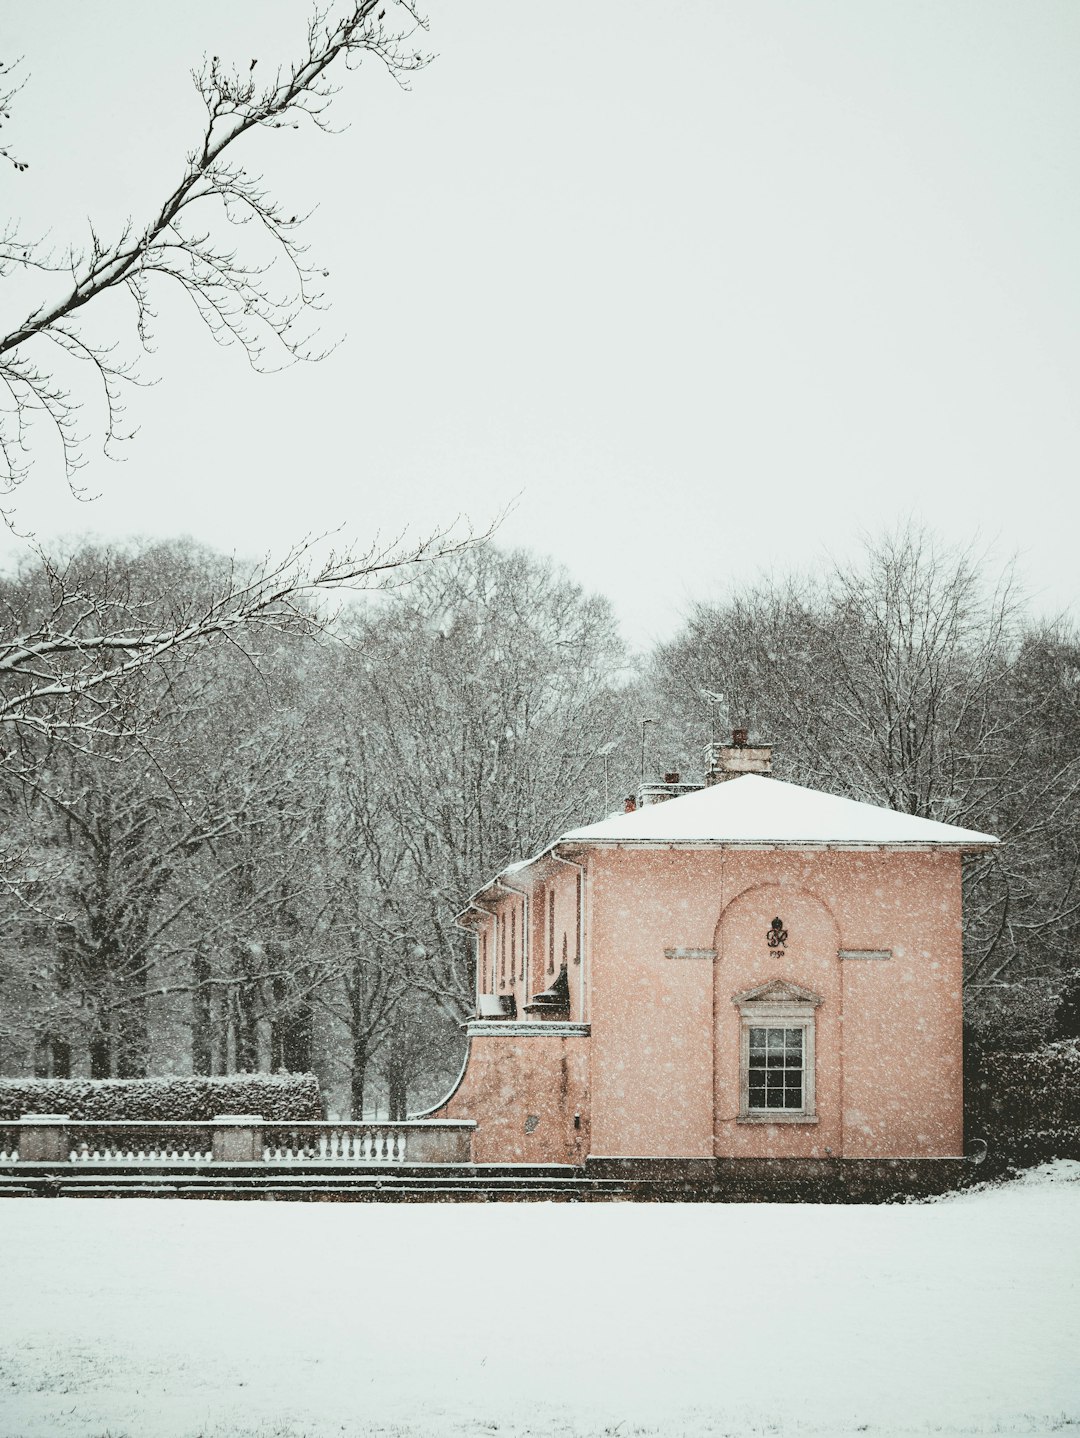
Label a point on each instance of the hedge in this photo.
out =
(282, 1097)
(1027, 1105)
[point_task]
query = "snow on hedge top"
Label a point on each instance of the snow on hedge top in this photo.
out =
(756, 810)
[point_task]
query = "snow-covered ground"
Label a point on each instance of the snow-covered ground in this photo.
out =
(143, 1318)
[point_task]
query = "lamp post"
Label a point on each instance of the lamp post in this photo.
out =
(644, 721)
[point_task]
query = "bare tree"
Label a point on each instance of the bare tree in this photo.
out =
(9, 88)
(71, 633)
(217, 235)
(479, 709)
(911, 679)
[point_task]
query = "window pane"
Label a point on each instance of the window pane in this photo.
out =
(775, 1067)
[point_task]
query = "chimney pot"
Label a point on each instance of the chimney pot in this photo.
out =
(728, 761)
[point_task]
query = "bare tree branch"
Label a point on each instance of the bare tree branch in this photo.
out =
(219, 236)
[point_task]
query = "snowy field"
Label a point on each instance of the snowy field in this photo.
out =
(159, 1319)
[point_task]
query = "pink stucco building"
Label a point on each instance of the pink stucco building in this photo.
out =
(744, 969)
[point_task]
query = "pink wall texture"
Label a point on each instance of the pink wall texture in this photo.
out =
(658, 1071)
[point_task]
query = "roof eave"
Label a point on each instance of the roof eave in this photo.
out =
(974, 846)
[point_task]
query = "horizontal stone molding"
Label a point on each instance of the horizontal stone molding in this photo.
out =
(509, 1029)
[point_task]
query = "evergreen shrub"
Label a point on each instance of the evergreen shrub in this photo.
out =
(277, 1097)
(1027, 1105)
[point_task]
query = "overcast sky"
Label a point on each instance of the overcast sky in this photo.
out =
(705, 287)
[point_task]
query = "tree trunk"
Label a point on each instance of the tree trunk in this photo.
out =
(61, 1057)
(101, 1051)
(356, 1081)
(398, 1095)
(297, 1037)
(246, 1028)
(133, 1030)
(279, 1023)
(202, 1027)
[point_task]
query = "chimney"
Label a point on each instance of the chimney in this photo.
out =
(672, 786)
(630, 803)
(728, 761)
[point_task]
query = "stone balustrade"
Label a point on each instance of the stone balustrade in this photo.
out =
(233, 1139)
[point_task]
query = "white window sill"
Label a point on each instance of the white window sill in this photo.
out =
(779, 1116)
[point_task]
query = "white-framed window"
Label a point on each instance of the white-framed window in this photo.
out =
(777, 1053)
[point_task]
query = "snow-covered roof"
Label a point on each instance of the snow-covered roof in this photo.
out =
(753, 810)
(756, 810)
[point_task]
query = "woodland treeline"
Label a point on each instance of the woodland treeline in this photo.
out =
(246, 854)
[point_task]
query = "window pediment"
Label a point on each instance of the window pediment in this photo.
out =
(777, 1023)
(777, 991)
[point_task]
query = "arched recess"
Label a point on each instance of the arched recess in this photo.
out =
(776, 941)
(742, 928)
